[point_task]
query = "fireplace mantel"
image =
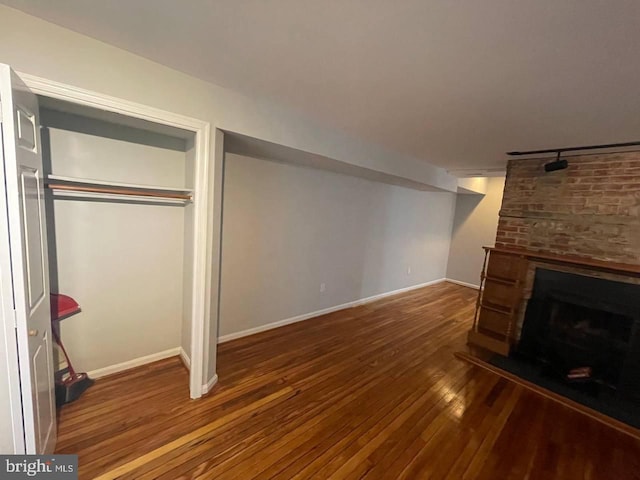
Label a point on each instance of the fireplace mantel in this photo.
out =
(506, 281)
(572, 260)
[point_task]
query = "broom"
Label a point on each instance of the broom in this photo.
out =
(69, 383)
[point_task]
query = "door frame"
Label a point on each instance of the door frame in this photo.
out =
(201, 294)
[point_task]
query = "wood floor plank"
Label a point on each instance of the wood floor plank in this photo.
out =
(371, 392)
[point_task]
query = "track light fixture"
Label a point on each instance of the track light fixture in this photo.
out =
(561, 164)
(557, 164)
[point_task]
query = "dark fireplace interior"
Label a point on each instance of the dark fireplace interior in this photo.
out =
(583, 332)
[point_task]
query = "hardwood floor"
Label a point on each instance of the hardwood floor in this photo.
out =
(370, 392)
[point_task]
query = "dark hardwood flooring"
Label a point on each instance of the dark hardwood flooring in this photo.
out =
(371, 392)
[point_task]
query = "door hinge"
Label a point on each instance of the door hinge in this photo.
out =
(15, 318)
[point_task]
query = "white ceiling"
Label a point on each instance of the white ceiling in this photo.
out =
(454, 82)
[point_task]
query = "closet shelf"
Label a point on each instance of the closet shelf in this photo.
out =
(89, 188)
(90, 181)
(119, 197)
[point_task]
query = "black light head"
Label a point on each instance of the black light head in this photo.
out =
(556, 165)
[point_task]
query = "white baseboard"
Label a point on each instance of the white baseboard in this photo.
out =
(464, 284)
(379, 296)
(136, 362)
(206, 388)
(185, 358)
(317, 313)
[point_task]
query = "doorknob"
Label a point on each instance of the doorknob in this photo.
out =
(33, 333)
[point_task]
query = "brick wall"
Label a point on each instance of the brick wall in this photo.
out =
(591, 209)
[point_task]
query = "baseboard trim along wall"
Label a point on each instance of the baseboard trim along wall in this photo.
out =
(206, 388)
(464, 284)
(136, 362)
(317, 313)
(185, 359)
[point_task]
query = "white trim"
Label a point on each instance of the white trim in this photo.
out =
(214, 251)
(80, 96)
(201, 296)
(317, 313)
(373, 298)
(185, 358)
(464, 284)
(9, 351)
(206, 388)
(136, 362)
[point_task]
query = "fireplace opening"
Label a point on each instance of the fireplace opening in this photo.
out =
(585, 344)
(583, 333)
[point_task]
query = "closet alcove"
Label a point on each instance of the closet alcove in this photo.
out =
(120, 226)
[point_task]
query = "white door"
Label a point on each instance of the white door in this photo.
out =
(29, 267)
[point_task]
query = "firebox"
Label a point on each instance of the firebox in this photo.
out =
(584, 331)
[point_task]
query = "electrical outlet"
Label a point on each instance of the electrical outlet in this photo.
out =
(322, 287)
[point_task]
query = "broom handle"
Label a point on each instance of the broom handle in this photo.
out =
(59, 342)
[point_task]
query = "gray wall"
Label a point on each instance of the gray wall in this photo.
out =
(474, 226)
(287, 229)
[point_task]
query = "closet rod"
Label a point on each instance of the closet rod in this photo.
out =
(118, 191)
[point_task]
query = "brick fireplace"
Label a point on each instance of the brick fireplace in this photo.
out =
(590, 211)
(562, 284)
